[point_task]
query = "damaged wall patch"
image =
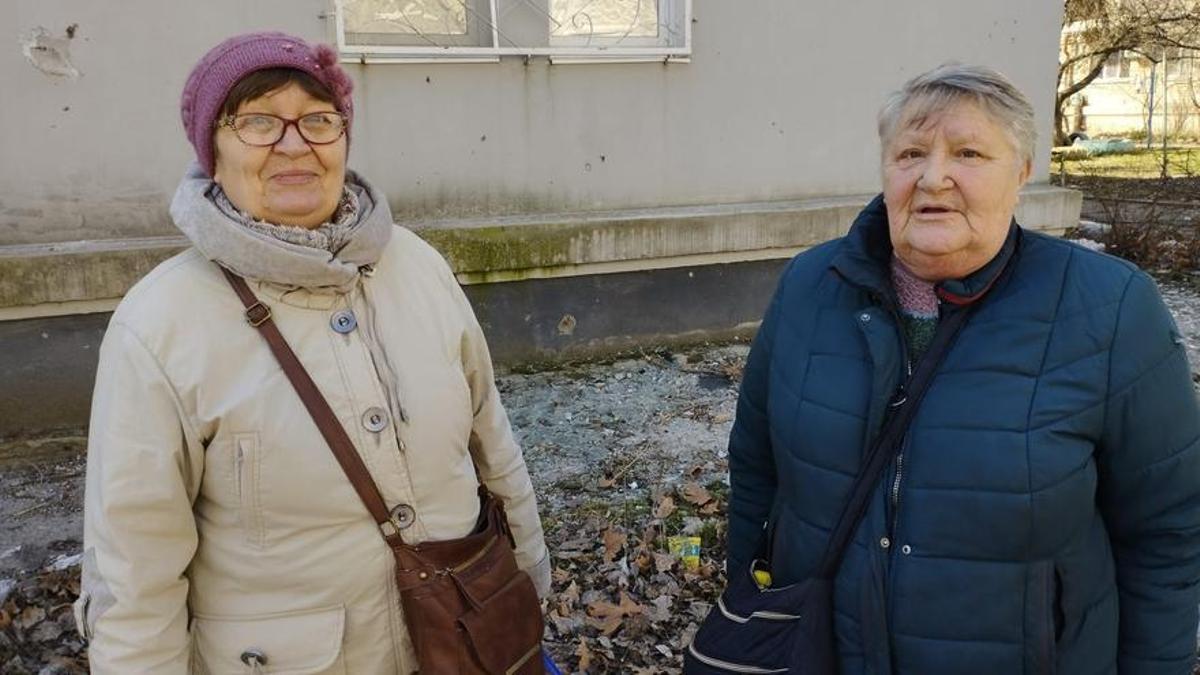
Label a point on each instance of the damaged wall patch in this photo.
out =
(49, 54)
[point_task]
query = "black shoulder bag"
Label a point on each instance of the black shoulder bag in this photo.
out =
(790, 629)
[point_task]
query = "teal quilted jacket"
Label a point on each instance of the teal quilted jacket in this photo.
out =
(1043, 514)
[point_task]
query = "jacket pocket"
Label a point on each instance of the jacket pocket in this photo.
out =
(247, 468)
(1042, 623)
(1059, 615)
(303, 642)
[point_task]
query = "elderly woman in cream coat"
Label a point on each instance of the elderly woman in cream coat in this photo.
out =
(217, 520)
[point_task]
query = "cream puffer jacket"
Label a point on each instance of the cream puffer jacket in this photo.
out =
(217, 521)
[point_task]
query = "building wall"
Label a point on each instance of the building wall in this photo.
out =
(777, 103)
(1121, 107)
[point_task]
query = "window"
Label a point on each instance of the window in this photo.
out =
(1115, 67)
(1179, 63)
(564, 30)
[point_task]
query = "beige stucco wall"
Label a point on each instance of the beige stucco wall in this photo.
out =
(777, 103)
(1119, 107)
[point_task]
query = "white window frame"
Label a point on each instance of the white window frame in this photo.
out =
(569, 49)
(1124, 62)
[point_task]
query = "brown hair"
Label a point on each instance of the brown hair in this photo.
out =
(262, 82)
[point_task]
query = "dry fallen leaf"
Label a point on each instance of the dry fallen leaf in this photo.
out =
(614, 541)
(663, 562)
(695, 493)
(607, 481)
(665, 507)
(607, 625)
(568, 599)
(32, 615)
(625, 607)
(710, 508)
(644, 560)
(662, 608)
(584, 654)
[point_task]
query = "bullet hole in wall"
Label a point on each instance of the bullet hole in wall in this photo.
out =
(566, 325)
(49, 54)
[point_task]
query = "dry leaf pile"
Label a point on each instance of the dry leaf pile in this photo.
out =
(37, 627)
(622, 602)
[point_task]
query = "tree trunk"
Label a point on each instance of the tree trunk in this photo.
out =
(1060, 125)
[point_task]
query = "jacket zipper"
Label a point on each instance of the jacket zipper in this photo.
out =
(239, 459)
(896, 487)
(900, 397)
(473, 559)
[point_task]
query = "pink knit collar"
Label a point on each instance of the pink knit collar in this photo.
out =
(918, 298)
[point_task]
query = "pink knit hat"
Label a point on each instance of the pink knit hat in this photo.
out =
(227, 63)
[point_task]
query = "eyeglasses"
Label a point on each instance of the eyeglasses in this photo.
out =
(262, 129)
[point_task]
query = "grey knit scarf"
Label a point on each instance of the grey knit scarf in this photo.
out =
(330, 236)
(326, 257)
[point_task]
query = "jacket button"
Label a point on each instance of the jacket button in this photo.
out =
(375, 419)
(254, 657)
(906, 549)
(343, 322)
(885, 542)
(403, 516)
(865, 317)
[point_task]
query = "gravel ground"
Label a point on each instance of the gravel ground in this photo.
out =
(605, 443)
(1184, 302)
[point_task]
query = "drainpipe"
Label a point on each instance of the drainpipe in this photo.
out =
(1150, 107)
(1166, 123)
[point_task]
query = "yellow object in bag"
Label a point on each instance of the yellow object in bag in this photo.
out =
(762, 578)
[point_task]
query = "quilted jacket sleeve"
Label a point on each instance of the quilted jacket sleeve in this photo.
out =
(751, 461)
(1149, 464)
(139, 533)
(498, 458)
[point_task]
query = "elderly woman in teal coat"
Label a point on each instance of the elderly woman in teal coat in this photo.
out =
(1042, 512)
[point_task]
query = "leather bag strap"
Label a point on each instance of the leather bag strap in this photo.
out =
(883, 448)
(258, 315)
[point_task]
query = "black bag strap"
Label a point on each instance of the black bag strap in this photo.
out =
(888, 439)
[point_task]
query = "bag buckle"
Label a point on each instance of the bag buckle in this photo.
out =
(258, 314)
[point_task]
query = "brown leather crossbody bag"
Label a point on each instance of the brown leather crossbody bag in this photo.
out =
(469, 608)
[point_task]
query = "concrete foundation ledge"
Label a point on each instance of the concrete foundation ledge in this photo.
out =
(545, 290)
(61, 279)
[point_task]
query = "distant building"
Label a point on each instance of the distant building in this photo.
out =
(1127, 99)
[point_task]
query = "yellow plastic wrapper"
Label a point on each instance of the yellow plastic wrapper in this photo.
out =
(687, 549)
(762, 578)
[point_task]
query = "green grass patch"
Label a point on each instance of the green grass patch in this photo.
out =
(1182, 162)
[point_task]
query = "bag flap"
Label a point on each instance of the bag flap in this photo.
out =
(297, 642)
(505, 632)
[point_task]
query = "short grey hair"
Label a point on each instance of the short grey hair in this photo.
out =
(952, 83)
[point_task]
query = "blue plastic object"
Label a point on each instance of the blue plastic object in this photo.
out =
(551, 669)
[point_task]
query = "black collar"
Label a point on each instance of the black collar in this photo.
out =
(866, 255)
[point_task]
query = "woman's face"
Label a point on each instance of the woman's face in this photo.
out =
(291, 182)
(950, 185)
